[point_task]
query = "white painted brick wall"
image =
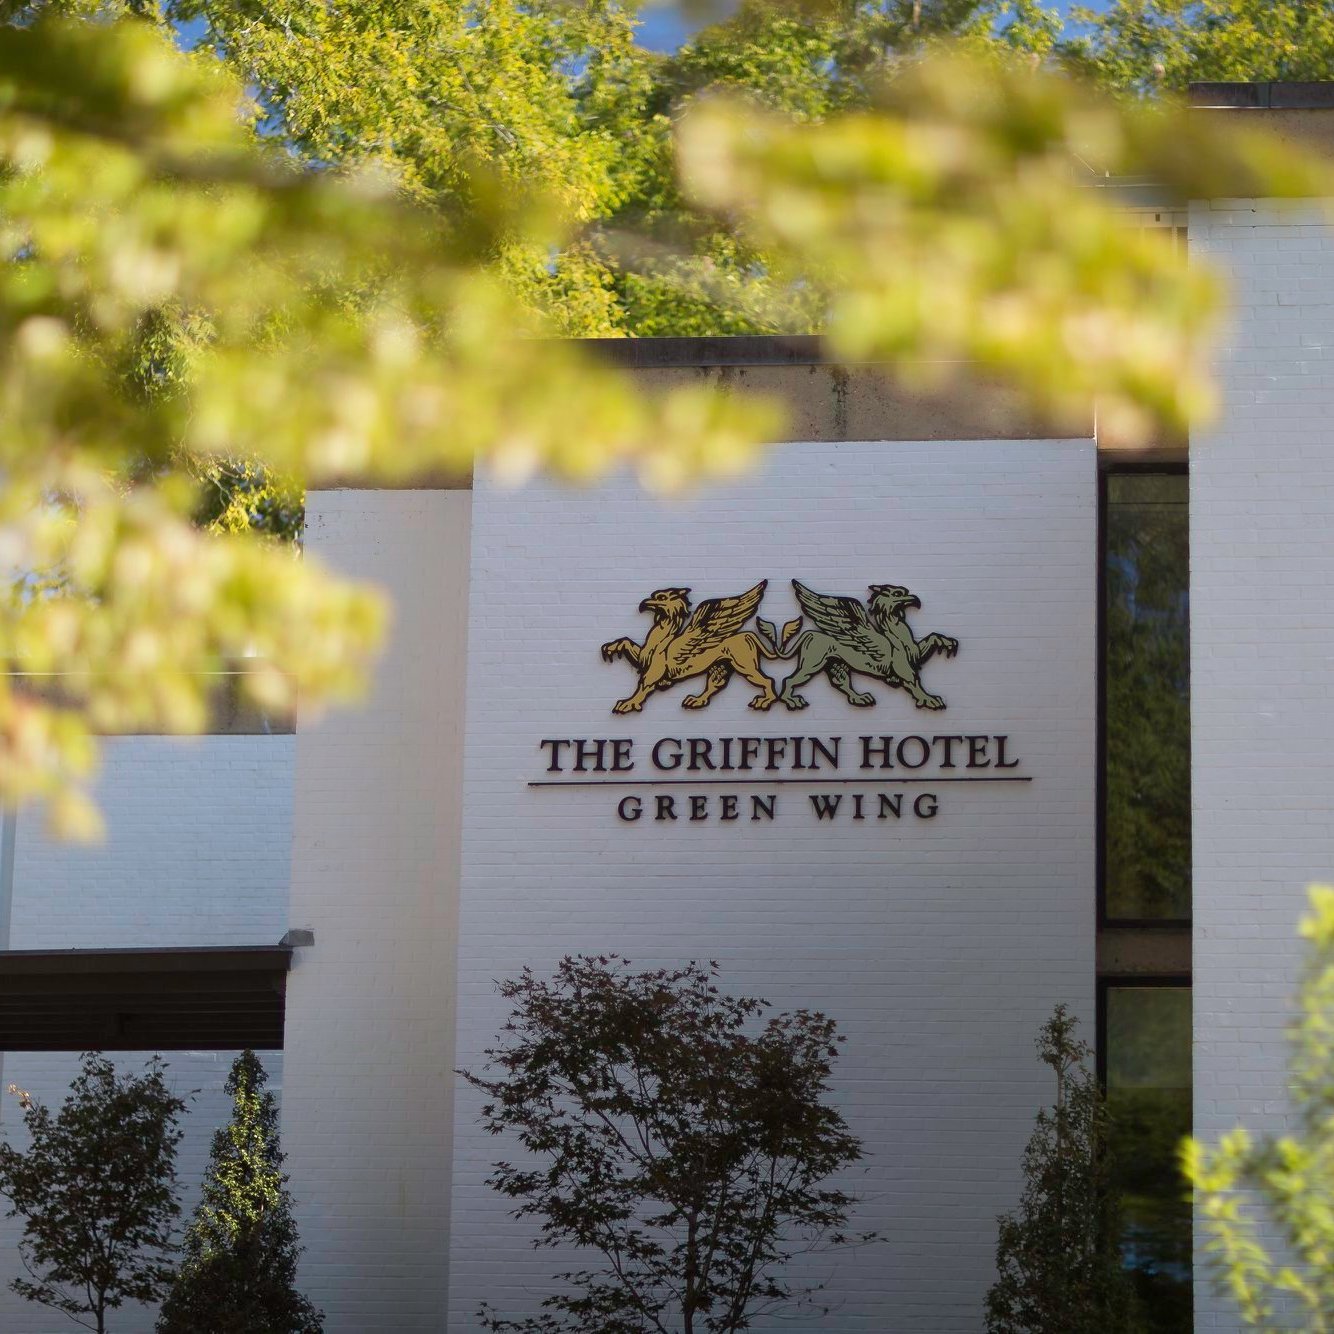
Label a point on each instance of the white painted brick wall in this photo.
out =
(197, 853)
(197, 850)
(938, 946)
(1262, 654)
(367, 1104)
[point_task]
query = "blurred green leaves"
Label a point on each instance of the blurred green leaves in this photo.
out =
(950, 225)
(175, 293)
(211, 299)
(1249, 1190)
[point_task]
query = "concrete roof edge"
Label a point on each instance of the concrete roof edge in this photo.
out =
(709, 351)
(1281, 95)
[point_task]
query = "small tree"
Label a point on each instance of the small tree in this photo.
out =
(683, 1148)
(239, 1271)
(1057, 1259)
(1285, 1182)
(96, 1189)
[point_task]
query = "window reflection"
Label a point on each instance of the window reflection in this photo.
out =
(1146, 674)
(1148, 1043)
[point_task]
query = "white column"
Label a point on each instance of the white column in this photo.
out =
(1262, 662)
(367, 1107)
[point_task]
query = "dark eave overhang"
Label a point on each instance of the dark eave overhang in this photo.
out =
(214, 998)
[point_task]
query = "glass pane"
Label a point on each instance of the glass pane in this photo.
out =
(1148, 1097)
(1147, 713)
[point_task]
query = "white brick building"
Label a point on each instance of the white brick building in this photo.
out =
(1117, 808)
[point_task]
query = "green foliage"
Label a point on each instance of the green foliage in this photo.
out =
(238, 1271)
(431, 90)
(1147, 46)
(242, 496)
(1283, 1183)
(96, 1189)
(236, 495)
(685, 1149)
(1058, 1265)
(561, 98)
(1147, 629)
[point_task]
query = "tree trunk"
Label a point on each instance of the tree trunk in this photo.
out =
(691, 1275)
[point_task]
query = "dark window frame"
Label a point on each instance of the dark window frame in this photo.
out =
(1141, 981)
(1106, 470)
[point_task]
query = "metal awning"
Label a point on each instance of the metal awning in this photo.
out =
(218, 998)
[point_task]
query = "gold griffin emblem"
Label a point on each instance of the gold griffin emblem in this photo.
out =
(849, 636)
(708, 642)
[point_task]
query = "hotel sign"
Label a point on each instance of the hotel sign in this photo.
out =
(738, 777)
(734, 778)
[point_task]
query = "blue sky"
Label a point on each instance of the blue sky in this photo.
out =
(665, 28)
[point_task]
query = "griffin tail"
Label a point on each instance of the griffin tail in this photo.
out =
(774, 644)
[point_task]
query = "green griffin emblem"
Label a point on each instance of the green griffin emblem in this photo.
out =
(872, 638)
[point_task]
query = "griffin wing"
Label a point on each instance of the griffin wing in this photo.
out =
(716, 619)
(840, 618)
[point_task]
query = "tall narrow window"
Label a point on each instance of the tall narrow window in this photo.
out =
(1146, 698)
(1146, 1045)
